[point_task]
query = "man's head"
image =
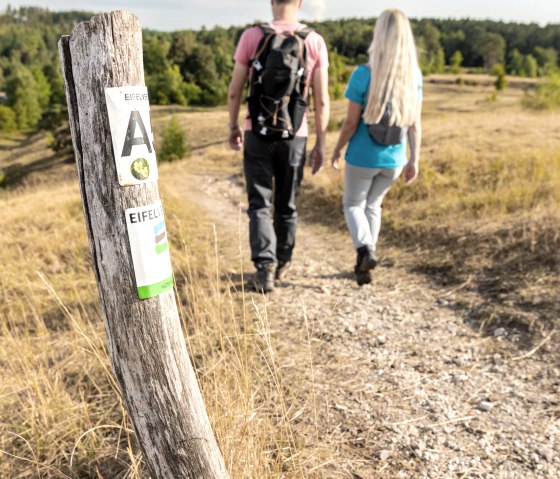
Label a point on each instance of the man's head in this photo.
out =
(283, 2)
(285, 10)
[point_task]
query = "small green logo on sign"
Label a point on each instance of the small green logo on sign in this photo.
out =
(140, 169)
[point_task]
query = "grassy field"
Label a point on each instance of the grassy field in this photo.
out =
(483, 217)
(485, 208)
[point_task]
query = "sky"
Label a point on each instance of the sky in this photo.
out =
(169, 15)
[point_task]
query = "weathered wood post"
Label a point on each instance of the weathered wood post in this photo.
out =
(146, 344)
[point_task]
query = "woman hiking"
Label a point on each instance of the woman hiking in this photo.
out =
(384, 109)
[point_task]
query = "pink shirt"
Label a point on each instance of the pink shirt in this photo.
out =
(316, 56)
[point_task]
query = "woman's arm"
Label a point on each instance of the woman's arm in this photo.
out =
(414, 140)
(349, 127)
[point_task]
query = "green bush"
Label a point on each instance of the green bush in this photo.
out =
(173, 143)
(7, 119)
(546, 96)
(501, 82)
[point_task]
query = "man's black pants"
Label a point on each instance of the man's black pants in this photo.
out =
(273, 172)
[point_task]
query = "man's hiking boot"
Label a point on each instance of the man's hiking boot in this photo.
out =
(264, 278)
(282, 269)
(365, 262)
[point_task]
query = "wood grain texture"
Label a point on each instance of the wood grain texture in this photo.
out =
(146, 343)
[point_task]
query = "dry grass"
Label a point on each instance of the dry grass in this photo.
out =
(485, 208)
(60, 407)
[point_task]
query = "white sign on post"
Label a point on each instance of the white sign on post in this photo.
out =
(131, 129)
(150, 250)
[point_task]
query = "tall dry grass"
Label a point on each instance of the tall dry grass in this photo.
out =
(60, 408)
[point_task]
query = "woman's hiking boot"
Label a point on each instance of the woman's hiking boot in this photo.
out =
(365, 262)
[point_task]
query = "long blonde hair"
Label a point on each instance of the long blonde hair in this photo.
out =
(394, 71)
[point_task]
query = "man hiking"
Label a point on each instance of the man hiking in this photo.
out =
(283, 61)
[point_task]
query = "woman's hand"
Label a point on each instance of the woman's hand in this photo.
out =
(410, 171)
(335, 160)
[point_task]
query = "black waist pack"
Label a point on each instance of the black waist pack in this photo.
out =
(386, 134)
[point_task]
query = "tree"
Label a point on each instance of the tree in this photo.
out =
(456, 61)
(173, 144)
(547, 60)
(491, 47)
(501, 81)
(529, 67)
(24, 97)
(7, 118)
(515, 62)
(430, 52)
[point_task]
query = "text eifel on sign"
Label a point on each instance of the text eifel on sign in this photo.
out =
(131, 130)
(150, 250)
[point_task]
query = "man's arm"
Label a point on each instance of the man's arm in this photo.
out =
(322, 105)
(235, 92)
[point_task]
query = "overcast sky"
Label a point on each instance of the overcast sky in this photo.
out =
(176, 14)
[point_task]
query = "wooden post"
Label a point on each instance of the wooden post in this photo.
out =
(146, 344)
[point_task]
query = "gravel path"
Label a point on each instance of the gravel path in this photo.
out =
(405, 385)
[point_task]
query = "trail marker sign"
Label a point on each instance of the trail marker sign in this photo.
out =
(131, 130)
(150, 250)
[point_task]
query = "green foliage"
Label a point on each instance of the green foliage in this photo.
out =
(499, 72)
(339, 75)
(430, 52)
(515, 62)
(24, 97)
(194, 67)
(169, 87)
(491, 48)
(173, 143)
(547, 59)
(529, 67)
(7, 119)
(456, 61)
(547, 95)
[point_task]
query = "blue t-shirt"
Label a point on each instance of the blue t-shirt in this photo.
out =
(362, 149)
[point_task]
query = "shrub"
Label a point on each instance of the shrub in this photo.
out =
(7, 119)
(546, 96)
(501, 82)
(173, 143)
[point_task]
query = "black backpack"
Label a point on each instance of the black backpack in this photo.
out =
(386, 134)
(277, 96)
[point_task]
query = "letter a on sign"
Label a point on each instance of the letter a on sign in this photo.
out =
(131, 131)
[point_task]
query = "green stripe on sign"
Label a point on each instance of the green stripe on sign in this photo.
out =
(160, 248)
(145, 292)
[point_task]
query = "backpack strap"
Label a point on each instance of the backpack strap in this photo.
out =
(304, 32)
(266, 28)
(268, 32)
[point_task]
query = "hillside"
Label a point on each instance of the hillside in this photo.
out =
(445, 367)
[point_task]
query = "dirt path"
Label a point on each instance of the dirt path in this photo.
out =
(406, 387)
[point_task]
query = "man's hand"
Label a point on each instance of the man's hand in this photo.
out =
(235, 139)
(410, 172)
(316, 159)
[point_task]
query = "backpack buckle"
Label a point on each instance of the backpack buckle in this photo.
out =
(257, 65)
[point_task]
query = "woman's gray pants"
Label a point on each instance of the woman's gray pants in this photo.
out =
(364, 190)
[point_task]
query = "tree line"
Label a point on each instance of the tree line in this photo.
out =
(193, 67)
